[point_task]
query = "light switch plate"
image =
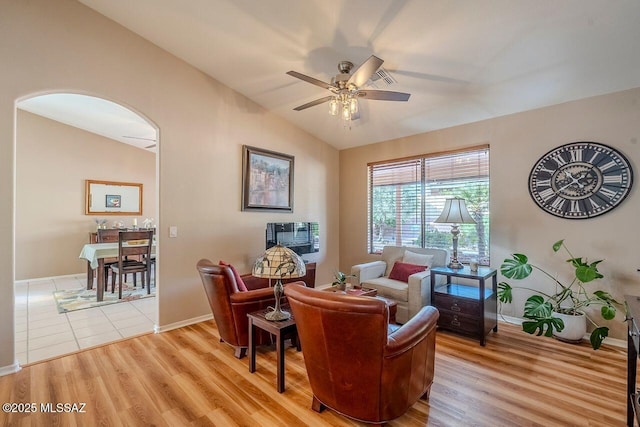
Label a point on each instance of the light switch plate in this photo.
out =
(173, 231)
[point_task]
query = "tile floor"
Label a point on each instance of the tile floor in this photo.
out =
(42, 332)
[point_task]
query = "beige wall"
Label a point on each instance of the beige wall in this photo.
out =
(53, 161)
(517, 224)
(60, 45)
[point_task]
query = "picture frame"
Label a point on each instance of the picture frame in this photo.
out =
(267, 180)
(113, 198)
(112, 201)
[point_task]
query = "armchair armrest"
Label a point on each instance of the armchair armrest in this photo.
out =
(412, 332)
(255, 295)
(368, 270)
(419, 291)
(258, 295)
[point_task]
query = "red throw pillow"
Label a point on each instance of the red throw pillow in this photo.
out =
(401, 271)
(241, 286)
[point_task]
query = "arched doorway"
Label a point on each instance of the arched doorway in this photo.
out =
(63, 139)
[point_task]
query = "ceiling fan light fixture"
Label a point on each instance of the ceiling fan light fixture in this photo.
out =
(353, 105)
(333, 106)
(346, 112)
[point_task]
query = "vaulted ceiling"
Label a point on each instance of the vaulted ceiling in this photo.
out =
(461, 60)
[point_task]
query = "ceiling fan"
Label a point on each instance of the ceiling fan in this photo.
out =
(346, 88)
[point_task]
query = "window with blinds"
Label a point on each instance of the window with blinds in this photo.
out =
(406, 196)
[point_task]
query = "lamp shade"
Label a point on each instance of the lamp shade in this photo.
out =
(455, 212)
(277, 262)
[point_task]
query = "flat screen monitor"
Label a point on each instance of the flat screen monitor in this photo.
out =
(300, 237)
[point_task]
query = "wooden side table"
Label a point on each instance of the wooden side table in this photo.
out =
(280, 330)
(466, 309)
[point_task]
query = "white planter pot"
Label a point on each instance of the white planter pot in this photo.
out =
(575, 327)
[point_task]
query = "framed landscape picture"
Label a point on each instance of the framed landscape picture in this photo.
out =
(267, 180)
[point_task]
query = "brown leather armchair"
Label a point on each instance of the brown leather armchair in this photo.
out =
(231, 306)
(355, 365)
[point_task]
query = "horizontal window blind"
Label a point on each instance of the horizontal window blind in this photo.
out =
(395, 203)
(406, 196)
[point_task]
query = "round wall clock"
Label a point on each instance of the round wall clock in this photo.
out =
(580, 180)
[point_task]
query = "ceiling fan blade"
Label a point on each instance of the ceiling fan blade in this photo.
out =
(384, 95)
(310, 80)
(312, 103)
(365, 71)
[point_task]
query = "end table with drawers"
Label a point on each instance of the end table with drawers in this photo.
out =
(465, 308)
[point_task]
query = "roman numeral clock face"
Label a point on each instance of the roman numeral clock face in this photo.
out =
(580, 180)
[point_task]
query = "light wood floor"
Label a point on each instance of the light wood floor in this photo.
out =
(186, 377)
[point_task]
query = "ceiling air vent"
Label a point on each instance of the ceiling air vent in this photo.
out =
(382, 78)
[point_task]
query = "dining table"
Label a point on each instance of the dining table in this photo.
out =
(95, 254)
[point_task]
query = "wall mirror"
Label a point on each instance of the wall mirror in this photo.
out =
(113, 198)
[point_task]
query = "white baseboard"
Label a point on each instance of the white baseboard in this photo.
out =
(509, 319)
(613, 342)
(25, 281)
(158, 329)
(11, 369)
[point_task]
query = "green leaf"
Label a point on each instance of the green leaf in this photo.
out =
(516, 268)
(537, 308)
(576, 262)
(608, 312)
(557, 245)
(587, 273)
(597, 336)
(543, 326)
(603, 295)
(505, 292)
(606, 297)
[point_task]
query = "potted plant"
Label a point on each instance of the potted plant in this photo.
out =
(549, 314)
(340, 281)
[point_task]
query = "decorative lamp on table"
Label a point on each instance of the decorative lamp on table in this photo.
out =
(455, 212)
(278, 262)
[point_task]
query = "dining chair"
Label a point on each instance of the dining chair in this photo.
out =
(132, 243)
(108, 235)
(151, 260)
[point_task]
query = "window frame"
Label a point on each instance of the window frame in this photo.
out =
(403, 180)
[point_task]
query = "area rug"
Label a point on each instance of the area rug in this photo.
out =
(79, 299)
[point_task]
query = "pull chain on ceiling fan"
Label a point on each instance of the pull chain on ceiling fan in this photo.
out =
(346, 89)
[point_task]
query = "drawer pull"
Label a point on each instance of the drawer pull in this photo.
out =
(455, 307)
(455, 321)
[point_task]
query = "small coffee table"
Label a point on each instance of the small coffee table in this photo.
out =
(393, 308)
(369, 292)
(280, 330)
(361, 292)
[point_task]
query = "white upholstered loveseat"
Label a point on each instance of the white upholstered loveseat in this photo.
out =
(411, 296)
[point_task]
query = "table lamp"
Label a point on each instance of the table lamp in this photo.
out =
(455, 212)
(277, 262)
